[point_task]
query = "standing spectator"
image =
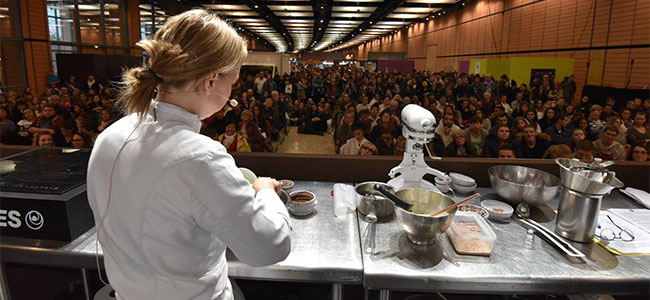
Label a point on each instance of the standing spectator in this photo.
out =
(568, 88)
(639, 134)
(301, 87)
(260, 81)
(53, 80)
(531, 145)
(71, 84)
(91, 85)
(607, 148)
(584, 106)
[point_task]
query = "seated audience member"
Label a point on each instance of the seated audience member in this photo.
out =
(68, 129)
(50, 122)
(622, 130)
(596, 125)
(639, 133)
(476, 134)
(315, 122)
(558, 151)
(44, 139)
(517, 129)
(559, 131)
(639, 153)
(6, 124)
(81, 140)
(447, 129)
(344, 131)
(106, 119)
(352, 145)
(218, 121)
(493, 144)
(232, 140)
(248, 128)
(436, 147)
(531, 145)
(576, 136)
(400, 146)
(367, 149)
(386, 143)
(506, 151)
(460, 148)
(547, 120)
(607, 148)
(584, 151)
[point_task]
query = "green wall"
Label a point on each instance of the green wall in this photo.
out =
(518, 68)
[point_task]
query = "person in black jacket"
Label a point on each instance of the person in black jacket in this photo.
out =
(531, 145)
(493, 143)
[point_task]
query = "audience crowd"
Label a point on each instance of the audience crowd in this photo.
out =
(478, 116)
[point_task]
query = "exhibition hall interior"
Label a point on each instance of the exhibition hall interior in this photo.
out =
(376, 123)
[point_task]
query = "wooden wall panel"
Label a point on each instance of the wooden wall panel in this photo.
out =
(537, 28)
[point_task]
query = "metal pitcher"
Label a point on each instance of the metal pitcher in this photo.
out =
(583, 188)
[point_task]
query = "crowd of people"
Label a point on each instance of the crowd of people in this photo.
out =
(478, 116)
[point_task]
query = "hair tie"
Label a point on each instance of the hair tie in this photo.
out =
(158, 78)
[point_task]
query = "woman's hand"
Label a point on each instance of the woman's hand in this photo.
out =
(267, 183)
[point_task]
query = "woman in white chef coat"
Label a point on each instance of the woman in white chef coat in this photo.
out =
(167, 201)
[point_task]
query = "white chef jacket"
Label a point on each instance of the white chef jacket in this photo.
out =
(177, 201)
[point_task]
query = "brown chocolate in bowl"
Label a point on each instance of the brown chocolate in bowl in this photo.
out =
(302, 197)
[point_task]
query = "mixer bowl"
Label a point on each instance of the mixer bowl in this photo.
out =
(420, 228)
(517, 184)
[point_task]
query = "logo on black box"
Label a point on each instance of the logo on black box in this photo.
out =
(34, 220)
(11, 218)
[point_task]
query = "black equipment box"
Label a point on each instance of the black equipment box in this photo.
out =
(43, 194)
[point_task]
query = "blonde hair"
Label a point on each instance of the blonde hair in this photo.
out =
(188, 47)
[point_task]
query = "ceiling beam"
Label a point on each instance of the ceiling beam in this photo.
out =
(322, 17)
(383, 10)
(272, 19)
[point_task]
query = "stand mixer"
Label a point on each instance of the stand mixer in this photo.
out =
(418, 125)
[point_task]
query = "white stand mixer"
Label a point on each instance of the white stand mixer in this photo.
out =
(418, 125)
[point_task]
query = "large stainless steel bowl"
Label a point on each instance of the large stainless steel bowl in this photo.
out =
(421, 228)
(517, 184)
(372, 203)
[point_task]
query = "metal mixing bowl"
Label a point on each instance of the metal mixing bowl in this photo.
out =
(517, 184)
(420, 228)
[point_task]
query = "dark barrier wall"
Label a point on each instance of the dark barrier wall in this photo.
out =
(599, 94)
(105, 68)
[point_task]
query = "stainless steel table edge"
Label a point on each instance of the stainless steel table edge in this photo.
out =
(491, 285)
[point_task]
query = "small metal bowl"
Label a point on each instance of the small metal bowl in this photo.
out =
(517, 184)
(420, 227)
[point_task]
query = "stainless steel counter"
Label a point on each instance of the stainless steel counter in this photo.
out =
(402, 266)
(327, 249)
(323, 248)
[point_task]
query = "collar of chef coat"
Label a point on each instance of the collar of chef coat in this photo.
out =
(165, 112)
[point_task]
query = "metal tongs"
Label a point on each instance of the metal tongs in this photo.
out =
(523, 211)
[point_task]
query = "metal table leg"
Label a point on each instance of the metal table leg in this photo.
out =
(4, 285)
(384, 295)
(337, 291)
(84, 276)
